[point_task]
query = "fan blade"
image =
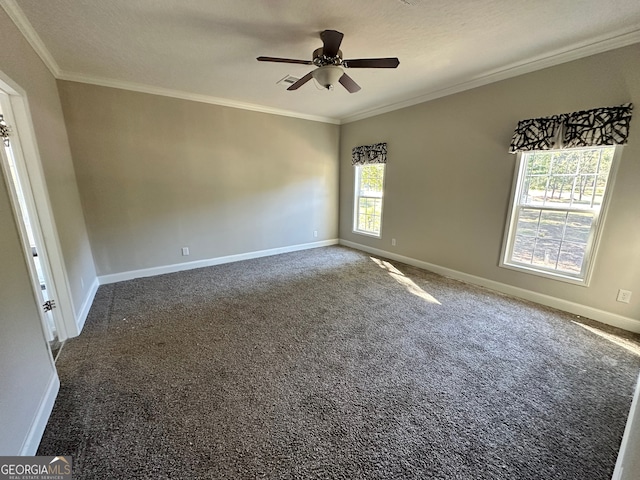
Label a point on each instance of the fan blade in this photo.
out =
(392, 62)
(348, 83)
(284, 60)
(301, 82)
(331, 40)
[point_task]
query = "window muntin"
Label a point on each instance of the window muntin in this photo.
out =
(556, 212)
(367, 218)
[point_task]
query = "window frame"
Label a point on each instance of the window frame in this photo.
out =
(595, 234)
(357, 196)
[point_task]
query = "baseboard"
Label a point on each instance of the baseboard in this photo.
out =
(602, 316)
(86, 305)
(32, 441)
(625, 457)
(178, 267)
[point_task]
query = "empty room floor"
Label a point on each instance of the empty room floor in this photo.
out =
(333, 363)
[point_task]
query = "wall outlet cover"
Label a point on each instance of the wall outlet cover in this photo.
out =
(624, 296)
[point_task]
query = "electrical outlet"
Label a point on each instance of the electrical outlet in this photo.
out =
(315, 233)
(393, 242)
(624, 296)
(185, 251)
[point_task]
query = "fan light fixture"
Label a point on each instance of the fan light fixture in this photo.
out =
(330, 64)
(328, 75)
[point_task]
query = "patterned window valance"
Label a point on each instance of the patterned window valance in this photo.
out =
(366, 154)
(4, 131)
(588, 128)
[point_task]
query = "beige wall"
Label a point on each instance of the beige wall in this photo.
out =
(26, 367)
(449, 176)
(156, 174)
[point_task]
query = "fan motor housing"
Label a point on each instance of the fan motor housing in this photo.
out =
(321, 60)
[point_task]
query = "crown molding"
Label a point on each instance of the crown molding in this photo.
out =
(20, 20)
(22, 23)
(195, 97)
(576, 52)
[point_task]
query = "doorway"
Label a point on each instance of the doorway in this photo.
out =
(24, 179)
(35, 253)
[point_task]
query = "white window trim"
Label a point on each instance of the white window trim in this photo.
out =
(593, 244)
(356, 190)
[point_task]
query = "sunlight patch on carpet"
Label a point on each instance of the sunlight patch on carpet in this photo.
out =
(405, 281)
(631, 346)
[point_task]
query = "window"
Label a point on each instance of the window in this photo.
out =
(556, 215)
(367, 218)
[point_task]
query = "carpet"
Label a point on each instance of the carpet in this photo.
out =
(334, 364)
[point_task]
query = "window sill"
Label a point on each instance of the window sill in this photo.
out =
(548, 275)
(367, 234)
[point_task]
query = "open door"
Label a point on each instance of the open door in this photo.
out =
(34, 251)
(58, 323)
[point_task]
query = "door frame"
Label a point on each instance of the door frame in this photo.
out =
(32, 179)
(17, 207)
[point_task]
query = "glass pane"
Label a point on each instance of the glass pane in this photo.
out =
(362, 221)
(571, 257)
(369, 215)
(376, 204)
(578, 227)
(584, 190)
(601, 183)
(546, 253)
(566, 162)
(590, 162)
(539, 163)
(528, 222)
(536, 176)
(523, 249)
(533, 191)
(377, 207)
(371, 178)
(552, 225)
(605, 161)
(559, 190)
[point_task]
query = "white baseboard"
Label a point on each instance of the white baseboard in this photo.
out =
(32, 441)
(602, 316)
(178, 267)
(86, 305)
(625, 457)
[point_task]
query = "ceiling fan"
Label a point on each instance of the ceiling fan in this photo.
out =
(330, 64)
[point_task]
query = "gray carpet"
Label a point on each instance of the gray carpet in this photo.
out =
(326, 364)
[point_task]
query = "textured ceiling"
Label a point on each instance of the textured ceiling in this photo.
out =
(208, 48)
